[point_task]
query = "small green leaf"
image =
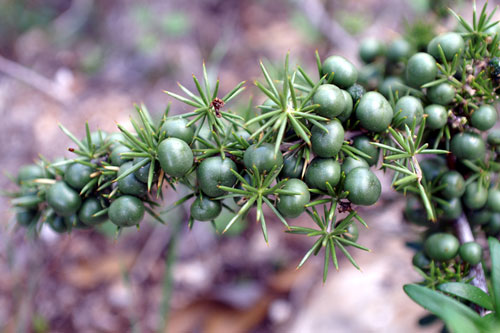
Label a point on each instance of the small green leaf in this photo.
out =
(468, 292)
(458, 317)
(495, 271)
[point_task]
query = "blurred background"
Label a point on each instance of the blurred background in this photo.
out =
(72, 61)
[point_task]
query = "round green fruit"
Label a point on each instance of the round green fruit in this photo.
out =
(370, 49)
(292, 168)
(478, 217)
(130, 184)
(452, 210)
(494, 224)
(25, 217)
(421, 69)
(454, 185)
(215, 171)
(142, 174)
(371, 75)
(420, 260)
(442, 94)
(204, 209)
(352, 232)
(57, 223)
(437, 116)
(78, 175)
(493, 202)
(63, 199)
(471, 252)
(475, 196)
(126, 211)
(393, 85)
(343, 71)
(243, 135)
(374, 112)
(175, 157)
(327, 144)
(291, 206)
(484, 118)
(409, 109)
(262, 157)
(362, 143)
(363, 186)
(398, 50)
(351, 163)
(441, 246)
(331, 101)
(90, 207)
(29, 172)
(494, 137)
(346, 114)
(468, 146)
(177, 128)
(116, 158)
(451, 43)
(322, 171)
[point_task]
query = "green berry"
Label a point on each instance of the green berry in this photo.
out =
(213, 172)
(374, 112)
(291, 206)
(454, 185)
(421, 69)
(409, 109)
(442, 94)
(451, 43)
(484, 118)
(90, 207)
(327, 144)
(322, 171)
(130, 184)
(363, 186)
(177, 128)
(343, 71)
(452, 210)
(205, 209)
(370, 49)
(468, 146)
(63, 199)
(437, 116)
(263, 157)
(351, 163)
(475, 196)
(126, 211)
(493, 202)
(471, 252)
(398, 50)
(175, 157)
(441, 246)
(331, 101)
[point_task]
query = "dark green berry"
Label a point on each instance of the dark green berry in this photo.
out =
(327, 144)
(437, 116)
(343, 71)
